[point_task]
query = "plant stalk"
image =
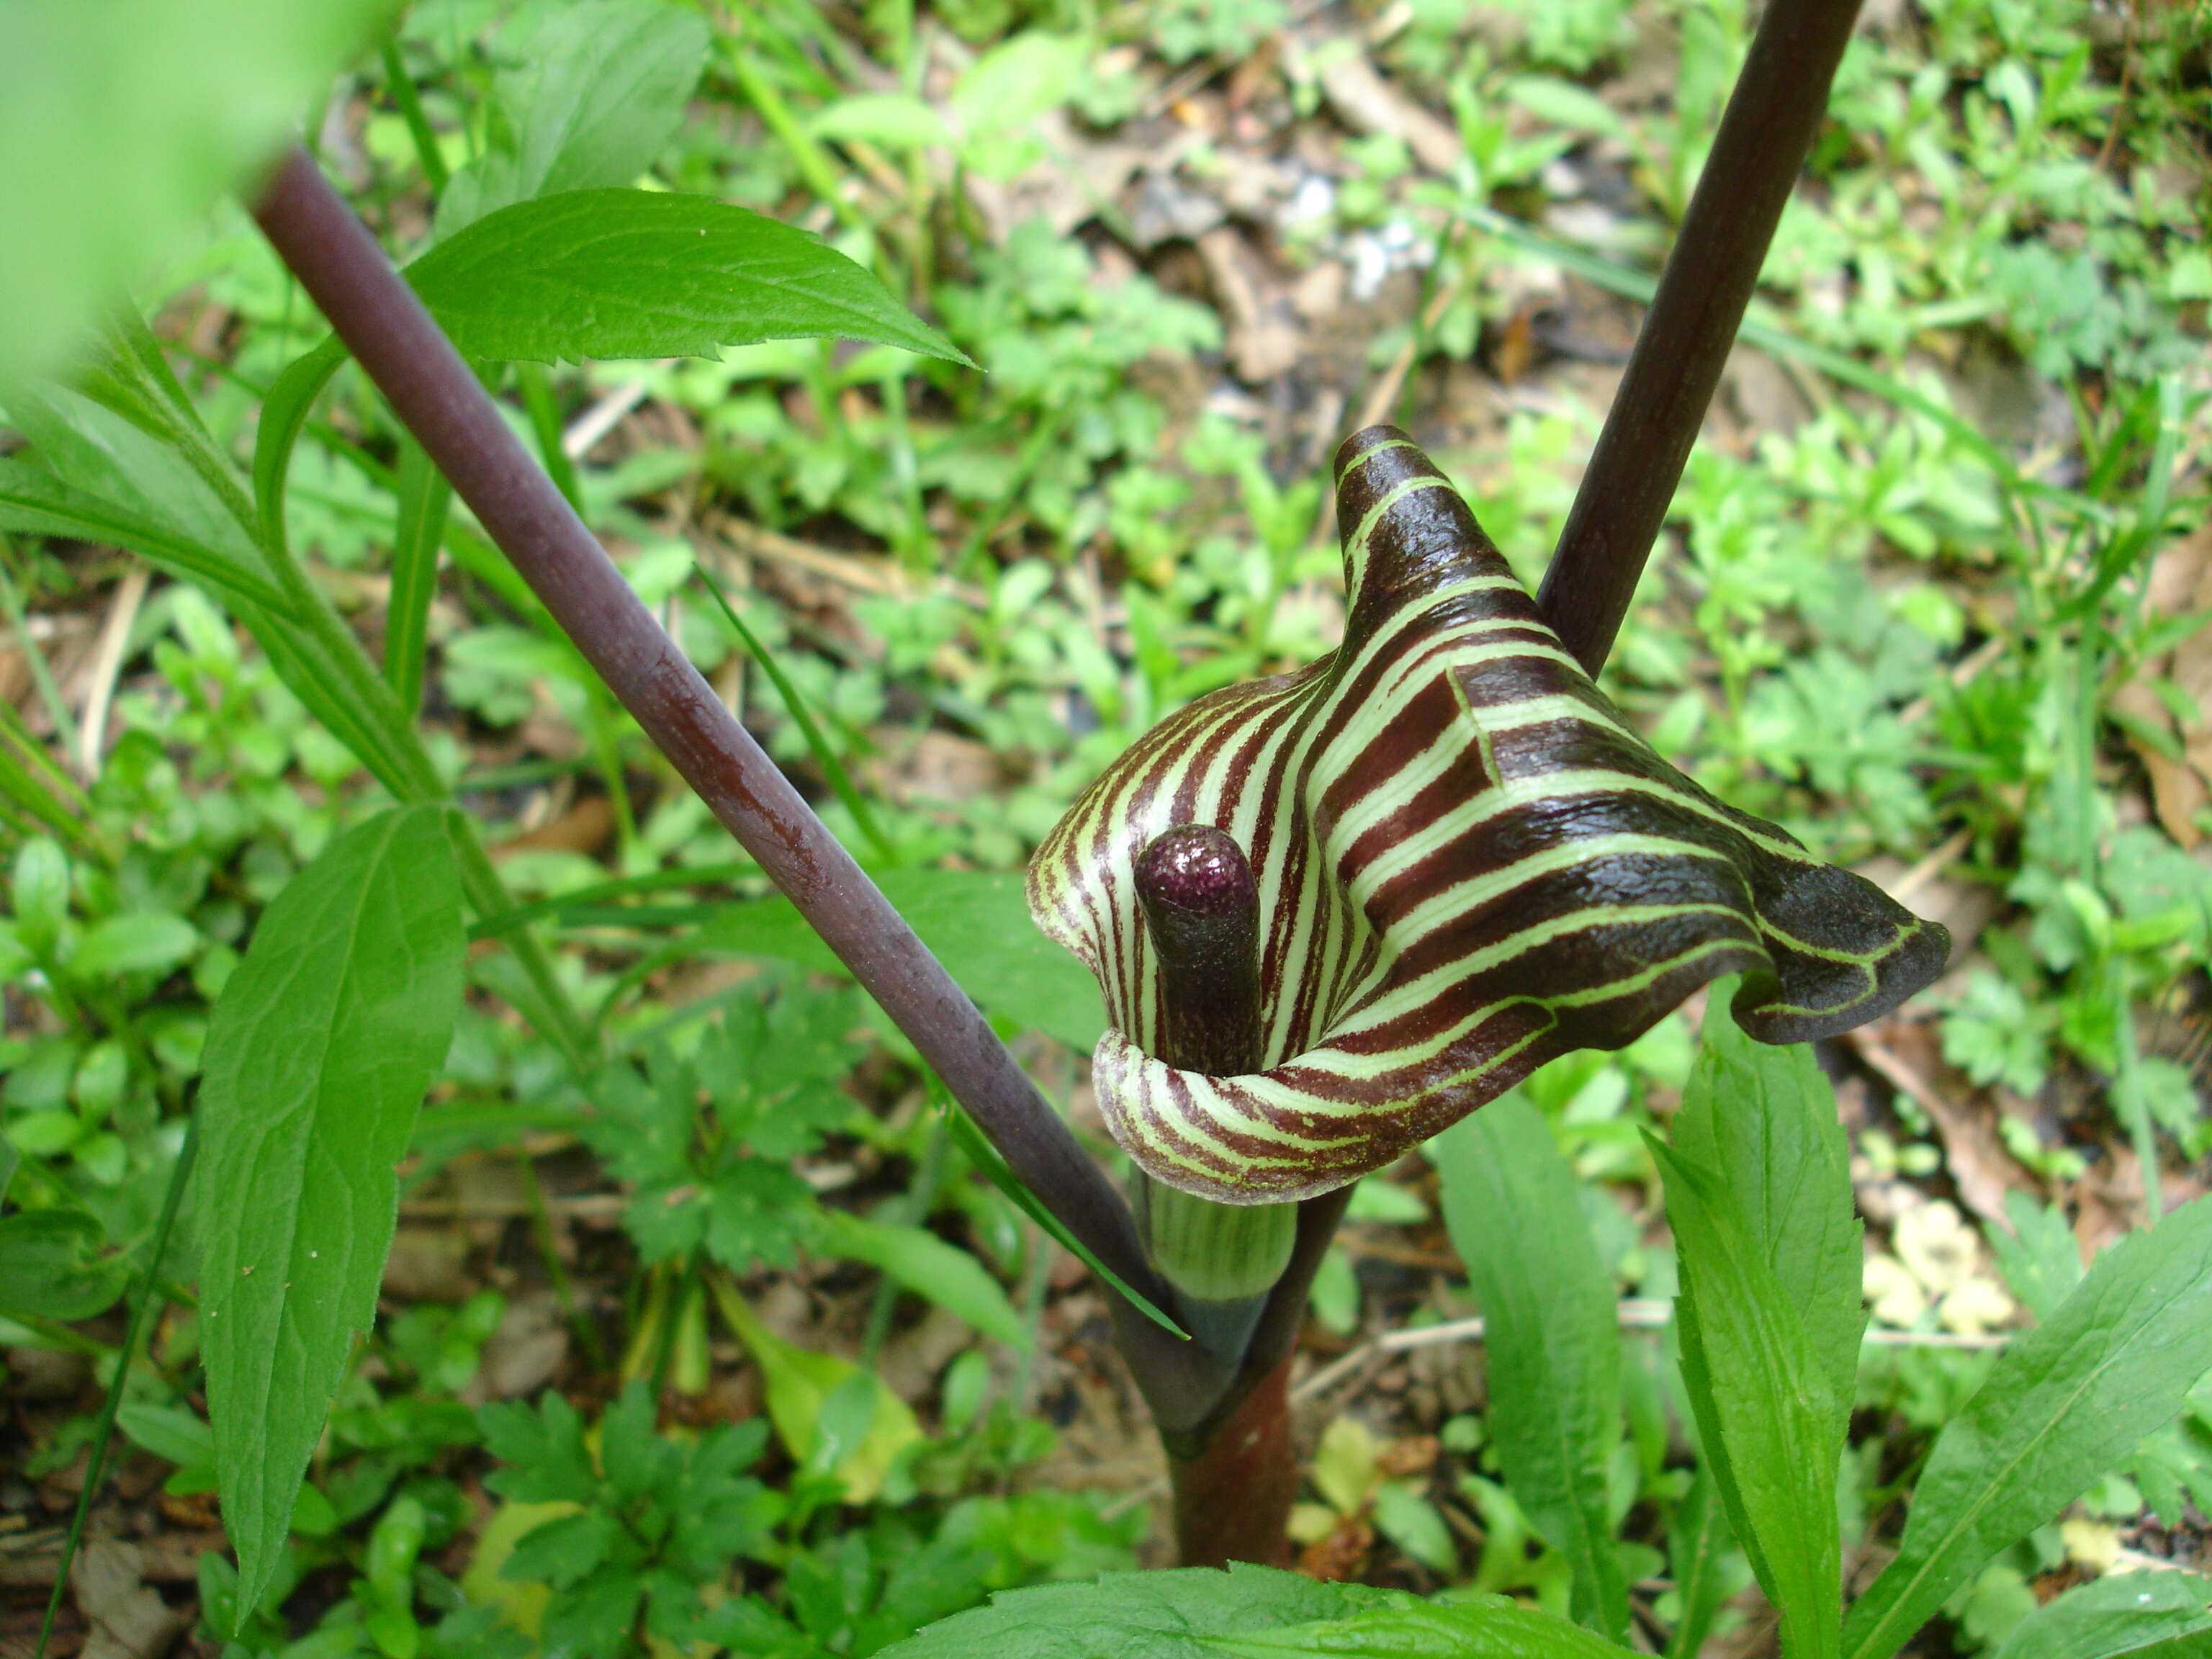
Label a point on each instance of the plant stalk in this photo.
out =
(438, 400)
(1232, 1468)
(1764, 136)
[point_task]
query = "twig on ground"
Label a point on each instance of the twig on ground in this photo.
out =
(1947, 853)
(107, 664)
(1635, 1314)
(595, 422)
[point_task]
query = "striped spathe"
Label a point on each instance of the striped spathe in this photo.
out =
(1468, 865)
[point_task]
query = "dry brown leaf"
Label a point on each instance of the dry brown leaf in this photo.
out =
(524, 1354)
(126, 1620)
(1264, 339)
(1342, 1555)
(1365, 102)
(2180, 582)
(1906, 1055)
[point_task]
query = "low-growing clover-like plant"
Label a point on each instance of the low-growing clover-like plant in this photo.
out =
(1466, 862)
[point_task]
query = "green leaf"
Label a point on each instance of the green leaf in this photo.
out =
(1771, 1315)
(634, 273)
(1410, 1522)
(11, 1160)
(284, 410)
(547, 1461)
(1551, 1335)
(101, 478)
(318, 1053)
(892, 120)
(598, 91)
(1767, 1412)
(50, 1265)
(802, 1387)
(135, 942)
(1139, 1615)
(1764, 1118)
(2112, 1616)
(924, 1264)
(1480, 1628)
(170, 1432)
(975, 920)
(142, 112)
(34, 500)
(2065, 1403)
(1564, 104)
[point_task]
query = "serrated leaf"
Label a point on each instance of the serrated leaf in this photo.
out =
(598, 91)
(547, 1461)
(1482, 1627)
(975, 920)
(2039, 1259)
(318, 1053)
(142, 114)
(1139, 1615)
(2111, 1617)
(634, 273)
(2064, 1403)
(564, 1550)
(1551, 1335)
(924, 1264)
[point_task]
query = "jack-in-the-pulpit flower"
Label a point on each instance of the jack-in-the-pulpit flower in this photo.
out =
(1468, 865)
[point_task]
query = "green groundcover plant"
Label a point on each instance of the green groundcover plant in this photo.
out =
(1329, 914)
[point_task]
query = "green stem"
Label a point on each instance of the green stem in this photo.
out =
(914, 1212)
(356, 701)
(541, 1226)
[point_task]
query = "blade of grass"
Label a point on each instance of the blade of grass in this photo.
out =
(839, 780)
(50, 694)
(984, 1157)
(104, 1430)
(401, 85)
(44, 793)
(599, 893)
(424, 497)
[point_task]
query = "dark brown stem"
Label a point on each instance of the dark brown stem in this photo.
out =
(1763, 138)
(438, 400)
(1233, 1496)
